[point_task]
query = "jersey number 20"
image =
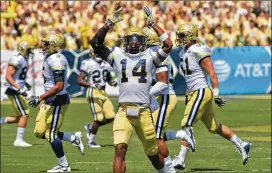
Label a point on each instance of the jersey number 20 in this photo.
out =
(142, 74)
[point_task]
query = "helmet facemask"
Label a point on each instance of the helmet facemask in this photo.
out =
(181, 39)
(134, 43)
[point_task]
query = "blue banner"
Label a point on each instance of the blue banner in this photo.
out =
(243, 70)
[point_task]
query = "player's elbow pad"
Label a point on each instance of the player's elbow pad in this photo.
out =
(158, 88)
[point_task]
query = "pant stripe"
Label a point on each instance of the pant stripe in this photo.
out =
(92, 104)
(54, 123)
(195, 107)
(162, 115)
(19, 105)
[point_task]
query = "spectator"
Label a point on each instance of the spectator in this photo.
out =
(221, 23)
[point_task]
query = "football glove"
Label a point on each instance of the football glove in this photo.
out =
(115, 17)
(35, 101)
(148, 16)
(219, 101)
(113, 83)
(22, 91)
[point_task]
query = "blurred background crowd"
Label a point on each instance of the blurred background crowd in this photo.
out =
(221, 23)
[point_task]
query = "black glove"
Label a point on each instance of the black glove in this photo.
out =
(22, 91)
(219, 101)
(35, 102)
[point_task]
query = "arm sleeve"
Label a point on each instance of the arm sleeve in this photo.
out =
(98, 44)
(14, 61)
(204, 52)
(58, 66)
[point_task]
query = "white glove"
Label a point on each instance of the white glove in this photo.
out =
(115, 17)
(22, 91)
(154, 105)
(148, 16)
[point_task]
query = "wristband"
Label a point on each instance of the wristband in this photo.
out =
(163, 37)
(215, 91)
(162, 53)
(109, 23)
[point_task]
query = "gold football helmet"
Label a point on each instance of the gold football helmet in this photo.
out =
(25, 48)
(152, 37)
(186, 33)
(134, 40)
(52, 43)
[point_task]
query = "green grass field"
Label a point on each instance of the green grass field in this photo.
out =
(249, 118)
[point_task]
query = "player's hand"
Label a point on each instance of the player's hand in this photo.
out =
(115, 18)
(22, 91)
(35, 101)
(219, 101)
(113, 83)
(148, 16)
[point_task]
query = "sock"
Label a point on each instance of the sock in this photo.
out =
(236, 140)
(57, 147)
(66, 136)
(183, 152)
(163, 170)
(20, 133)
(171, 135)
(89, 126)
(168, 163)
(92, 138)
(4, 120)
(63, 161)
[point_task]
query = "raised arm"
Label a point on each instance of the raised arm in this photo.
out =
(164, 38)
(97, 41)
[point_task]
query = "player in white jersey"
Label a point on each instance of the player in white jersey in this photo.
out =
(98, 73)
(56, 102)
(196, 64)
(167, 99)
(133, 66)
(16, 91)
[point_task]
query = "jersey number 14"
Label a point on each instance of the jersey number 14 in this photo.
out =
(142, 74)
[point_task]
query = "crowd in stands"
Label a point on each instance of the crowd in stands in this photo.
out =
(221, 23)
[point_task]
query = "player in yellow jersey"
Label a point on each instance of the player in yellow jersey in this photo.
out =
(196, 64)
(16, 91)
(98, 73)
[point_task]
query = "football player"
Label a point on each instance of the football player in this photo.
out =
(56, 102)
(167, 99)
(16, 91)
(196, 64)
(133, 66)
(98, 72)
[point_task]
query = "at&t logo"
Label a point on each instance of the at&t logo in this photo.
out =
(222, 70)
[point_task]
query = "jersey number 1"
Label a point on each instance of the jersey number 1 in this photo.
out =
(141, 64)
(186, 71)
